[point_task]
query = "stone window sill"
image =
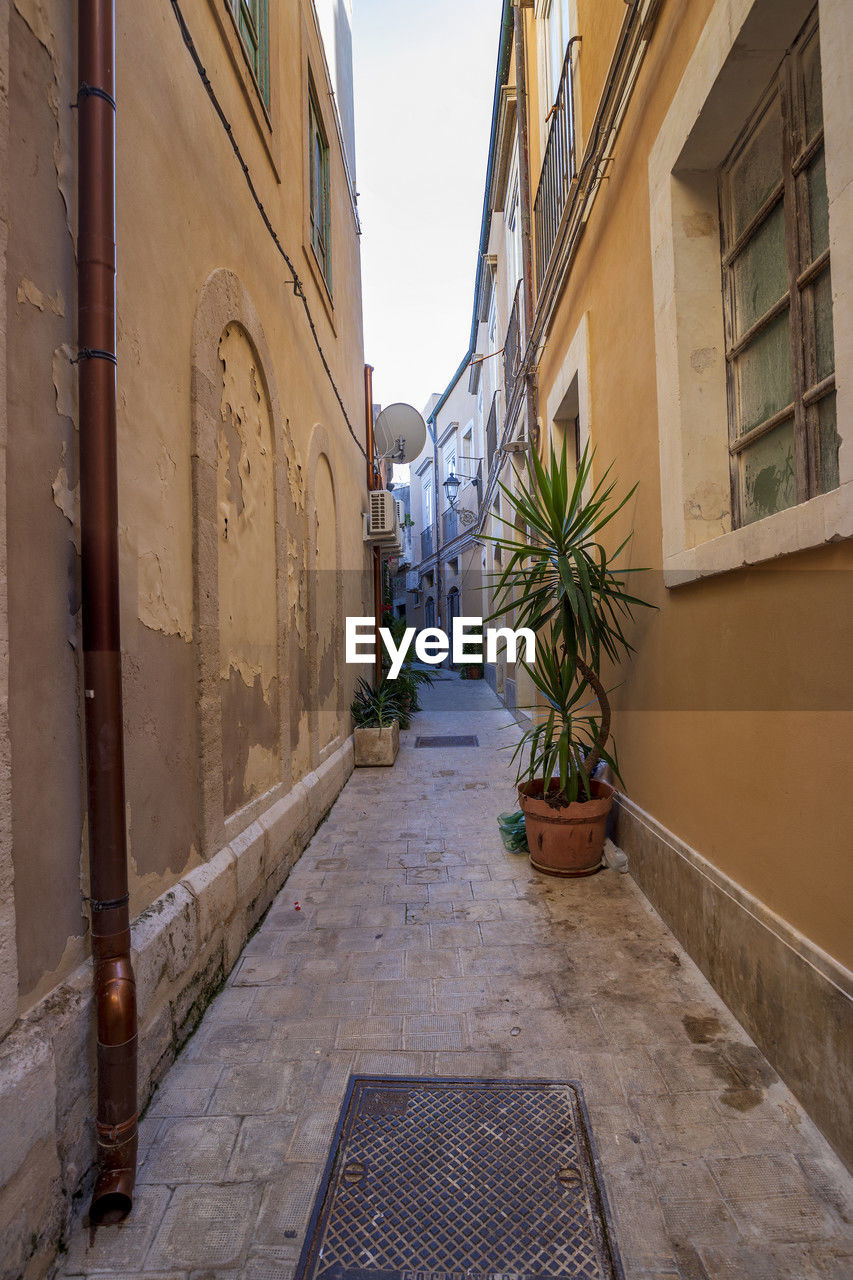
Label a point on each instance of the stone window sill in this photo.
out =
(824, 519)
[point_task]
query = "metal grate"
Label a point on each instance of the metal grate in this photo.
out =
(451, 740)
(476, 1179)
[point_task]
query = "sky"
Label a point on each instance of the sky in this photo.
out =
(424, 82)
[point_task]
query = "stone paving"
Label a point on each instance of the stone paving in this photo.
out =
(421, 947)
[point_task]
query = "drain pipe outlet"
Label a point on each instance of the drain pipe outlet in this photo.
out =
(115, 987)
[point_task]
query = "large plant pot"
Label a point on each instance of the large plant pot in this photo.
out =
(376, 747)
(566, 841)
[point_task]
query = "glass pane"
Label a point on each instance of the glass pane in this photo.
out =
(757, 169)
(824, 345)
(250, 42)
(768, 480)
(760, 272)
(818, 206)
(828, 440)
(810, 63)
(763, 374)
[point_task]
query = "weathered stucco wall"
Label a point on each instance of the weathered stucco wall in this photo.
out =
(168, 249)
(740, 679)
(240, 498)
(248, 617)
(41, 521)
(734, 716)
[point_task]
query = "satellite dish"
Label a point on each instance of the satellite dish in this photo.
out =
(400, 433)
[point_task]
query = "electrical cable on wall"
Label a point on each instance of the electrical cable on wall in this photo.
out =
(296, 282)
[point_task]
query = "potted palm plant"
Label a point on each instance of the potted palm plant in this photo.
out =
(560, 581)
(376, 715)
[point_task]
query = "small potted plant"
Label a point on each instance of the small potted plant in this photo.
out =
(376, 716)
(409, 680)
(560, 581)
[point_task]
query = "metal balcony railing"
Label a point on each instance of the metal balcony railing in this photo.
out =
(558, 170)
(512, 345)
(492, 432)
(426, 543)
(449, 525)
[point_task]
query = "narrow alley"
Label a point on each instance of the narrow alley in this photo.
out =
(420, 947)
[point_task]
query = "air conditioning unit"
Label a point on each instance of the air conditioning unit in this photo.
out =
(381, 520)
(382, 514)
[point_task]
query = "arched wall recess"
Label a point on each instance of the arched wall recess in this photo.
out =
(226, 320)
(327, 707)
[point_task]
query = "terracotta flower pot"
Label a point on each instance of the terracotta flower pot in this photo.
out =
(567, 841)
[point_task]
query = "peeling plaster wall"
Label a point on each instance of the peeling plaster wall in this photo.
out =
(43, 581)
(220, 392)
(266, 659)
(327, 637)
(248, 612)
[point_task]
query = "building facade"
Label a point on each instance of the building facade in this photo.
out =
(241, 483)
(446, 498)
(665, 267)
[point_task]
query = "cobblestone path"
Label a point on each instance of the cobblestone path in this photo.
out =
(422, 948)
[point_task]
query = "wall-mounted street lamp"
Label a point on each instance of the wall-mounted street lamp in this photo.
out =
(451, 487)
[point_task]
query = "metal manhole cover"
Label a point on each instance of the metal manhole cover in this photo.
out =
(475, 1179)
(451, 740)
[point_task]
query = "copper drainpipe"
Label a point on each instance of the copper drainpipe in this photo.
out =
(115, 986)
(371, 484)
(524, 199)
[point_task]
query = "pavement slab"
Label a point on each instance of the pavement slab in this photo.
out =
(423, 948)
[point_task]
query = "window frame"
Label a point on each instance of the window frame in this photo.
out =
(803, 272)
(321, 244)
(741, 44)
(426, 501)
(251, 18)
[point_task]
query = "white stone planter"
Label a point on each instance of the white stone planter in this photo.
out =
(374, 747)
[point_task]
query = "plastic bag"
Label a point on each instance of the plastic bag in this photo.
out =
(513, 833)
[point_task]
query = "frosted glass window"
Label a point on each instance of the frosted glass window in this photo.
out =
(811, 82)
(824, 344)
(777, 296)
(758, 169)
(769, 483)
(818, 206)
(763, 375)
(760, 272)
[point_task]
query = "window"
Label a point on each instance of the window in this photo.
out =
(780, 360)
(449, 458)
(252, 20)
(318, 177)
(427, 503)
(556, 41)
(513, 240)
